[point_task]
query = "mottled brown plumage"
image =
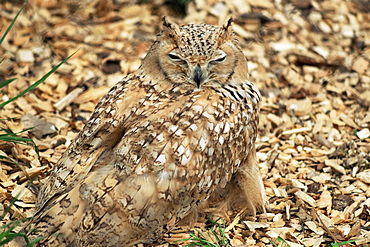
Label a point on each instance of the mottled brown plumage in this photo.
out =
(159, 144)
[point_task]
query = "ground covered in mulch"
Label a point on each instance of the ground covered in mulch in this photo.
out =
(310, 59)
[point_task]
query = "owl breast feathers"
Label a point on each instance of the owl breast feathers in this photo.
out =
(177, 132)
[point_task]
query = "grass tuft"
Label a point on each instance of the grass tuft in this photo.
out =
(281, 240)
(214, 237)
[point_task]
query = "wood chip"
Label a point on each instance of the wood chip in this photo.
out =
(252, 226)
(305, 197)
(363, 134)
(68, 99)
(325, 200)
(295, 131)
(92, 94)
(360, 65)
(25, 55)
(336, 165)
(364, 176)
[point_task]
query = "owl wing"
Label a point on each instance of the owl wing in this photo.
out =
(88, 164)
(104, 129)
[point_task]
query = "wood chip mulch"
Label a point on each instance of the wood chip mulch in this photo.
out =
(309, 58)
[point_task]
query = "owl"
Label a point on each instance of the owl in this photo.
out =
(172, 136)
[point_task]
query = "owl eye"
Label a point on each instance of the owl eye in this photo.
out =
(174, 57)
(220, 59)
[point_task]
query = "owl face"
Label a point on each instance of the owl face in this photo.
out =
(198, 55)
(199, 70)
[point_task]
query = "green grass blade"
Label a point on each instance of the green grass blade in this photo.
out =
(280, 239)
(217, 239)
(3, 157)
(341, 243)
(273, 243)
(8, 235)
(6, 82)
(9, 132)
(14, 139)
(19, 166)
(37, 82)
(12, 23)
(33, 242)
(8, 208)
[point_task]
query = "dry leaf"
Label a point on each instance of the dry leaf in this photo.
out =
(39, 127)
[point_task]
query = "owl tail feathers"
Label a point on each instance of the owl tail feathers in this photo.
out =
(244, 193)
(249, 182)
(251, 189)
(42, 237)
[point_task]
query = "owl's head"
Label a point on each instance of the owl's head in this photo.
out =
(197, 54)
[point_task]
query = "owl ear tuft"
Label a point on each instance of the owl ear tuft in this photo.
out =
(170, 29)
(226, 31)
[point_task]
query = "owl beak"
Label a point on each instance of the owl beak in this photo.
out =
(198, 74)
